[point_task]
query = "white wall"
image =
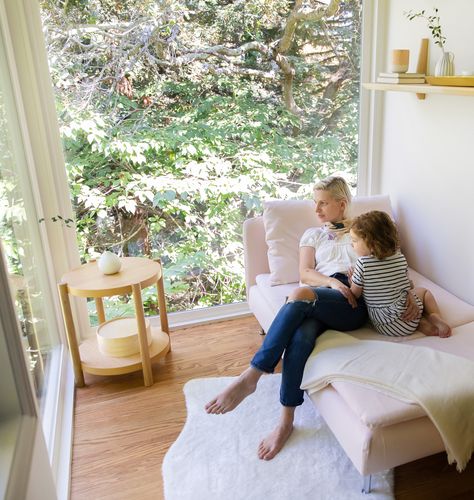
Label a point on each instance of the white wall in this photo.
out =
(427, 152)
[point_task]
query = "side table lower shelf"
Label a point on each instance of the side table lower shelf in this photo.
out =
(96, 363)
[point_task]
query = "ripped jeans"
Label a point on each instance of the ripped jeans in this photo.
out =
(294, 332)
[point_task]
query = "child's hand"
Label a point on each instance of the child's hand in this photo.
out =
(337, 285)
(411, 312)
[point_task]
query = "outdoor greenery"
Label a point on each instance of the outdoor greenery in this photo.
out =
(179, 117)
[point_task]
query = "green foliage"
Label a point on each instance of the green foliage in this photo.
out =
(434, 25)
(169, 162)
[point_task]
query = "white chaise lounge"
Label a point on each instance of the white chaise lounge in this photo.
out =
(376, 431)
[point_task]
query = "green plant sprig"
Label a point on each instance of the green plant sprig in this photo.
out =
(67, 222)
(434, 25)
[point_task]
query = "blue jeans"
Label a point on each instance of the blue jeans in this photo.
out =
(294, 331)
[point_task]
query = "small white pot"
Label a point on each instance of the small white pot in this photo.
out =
(109, 263)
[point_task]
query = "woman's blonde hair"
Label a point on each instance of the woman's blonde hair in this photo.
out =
(378, 231)
(337, 186)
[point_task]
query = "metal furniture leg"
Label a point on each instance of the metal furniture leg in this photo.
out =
(366, 484)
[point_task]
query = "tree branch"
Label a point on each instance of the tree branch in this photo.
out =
(125, 46)
(302, 13)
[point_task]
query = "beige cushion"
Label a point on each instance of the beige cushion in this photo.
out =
(285, 222)
(375, 409)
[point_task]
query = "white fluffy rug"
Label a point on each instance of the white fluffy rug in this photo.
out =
(215, 456)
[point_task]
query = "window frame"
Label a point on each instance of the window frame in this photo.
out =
(21, 447)
(374, 41)
(20, 27)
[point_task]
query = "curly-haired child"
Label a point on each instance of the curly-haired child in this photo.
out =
(381, 276)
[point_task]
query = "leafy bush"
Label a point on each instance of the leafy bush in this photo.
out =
(169, 161)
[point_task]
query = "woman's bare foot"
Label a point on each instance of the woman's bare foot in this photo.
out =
(443, 328)
(233, 395)
(275, 441)
(428, 328)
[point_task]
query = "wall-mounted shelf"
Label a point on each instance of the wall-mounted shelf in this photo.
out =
(421, 88)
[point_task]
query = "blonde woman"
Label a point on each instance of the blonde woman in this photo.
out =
(324, 301)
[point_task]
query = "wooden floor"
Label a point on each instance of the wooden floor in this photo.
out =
(123, 430)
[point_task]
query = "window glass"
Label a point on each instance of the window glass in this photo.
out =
(10, 415)
(179, 118)
(21, 243)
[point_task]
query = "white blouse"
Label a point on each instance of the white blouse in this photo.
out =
(333, 253)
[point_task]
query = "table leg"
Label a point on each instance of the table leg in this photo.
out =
(142, 338)
(99, 305)
(71, 334)
(162, 306)
(160, 289)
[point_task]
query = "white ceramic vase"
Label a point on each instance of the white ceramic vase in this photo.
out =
(445, 66)
(109, 263)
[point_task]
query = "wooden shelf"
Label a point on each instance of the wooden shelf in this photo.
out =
(93, 361)
(421, 88)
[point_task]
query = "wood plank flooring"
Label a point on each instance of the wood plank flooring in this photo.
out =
(123, 430)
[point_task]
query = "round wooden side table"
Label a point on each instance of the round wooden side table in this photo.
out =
(87, 281)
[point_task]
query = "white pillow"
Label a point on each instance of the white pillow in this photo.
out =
(285, 221)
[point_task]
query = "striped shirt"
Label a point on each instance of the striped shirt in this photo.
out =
(385, 285)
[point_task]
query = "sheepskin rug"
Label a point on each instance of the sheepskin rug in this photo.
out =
(215, 456)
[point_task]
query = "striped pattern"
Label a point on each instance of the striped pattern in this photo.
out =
(385, 286)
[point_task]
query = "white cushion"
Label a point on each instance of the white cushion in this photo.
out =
(375, 409)
(285, 222)
(454, 311)
(275, 295)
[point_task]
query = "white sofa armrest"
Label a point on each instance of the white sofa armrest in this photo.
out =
(255, 250)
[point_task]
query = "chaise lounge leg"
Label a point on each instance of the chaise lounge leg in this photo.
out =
(366, 484)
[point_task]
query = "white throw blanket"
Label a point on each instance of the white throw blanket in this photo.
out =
(441, 383)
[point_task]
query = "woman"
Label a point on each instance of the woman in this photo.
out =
(326, 256)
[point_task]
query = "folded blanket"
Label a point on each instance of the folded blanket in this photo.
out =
(441, 383)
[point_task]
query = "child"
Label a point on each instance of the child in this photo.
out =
(381, 275)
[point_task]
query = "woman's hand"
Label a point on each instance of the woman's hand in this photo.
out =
(411, 312)
(337, 285)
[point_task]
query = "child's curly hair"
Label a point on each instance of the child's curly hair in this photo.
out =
(379, 233)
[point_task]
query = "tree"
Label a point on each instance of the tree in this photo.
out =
(179, 117)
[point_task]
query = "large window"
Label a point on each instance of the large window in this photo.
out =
(179, 118)
(22, 244)
(30, 352)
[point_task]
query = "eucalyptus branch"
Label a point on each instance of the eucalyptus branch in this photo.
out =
(434, 25)
(67, 222)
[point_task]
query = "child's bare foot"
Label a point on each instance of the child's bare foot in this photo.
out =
(231, 397)
(428, 328)
(275, 441)
(438, 322)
